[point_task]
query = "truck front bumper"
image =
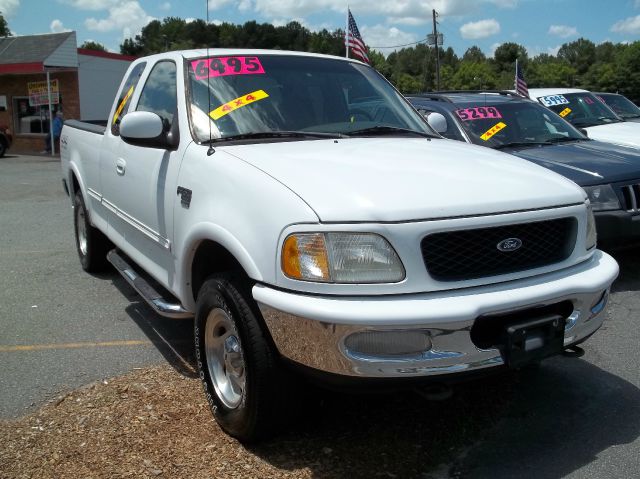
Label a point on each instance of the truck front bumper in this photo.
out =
(319, 331)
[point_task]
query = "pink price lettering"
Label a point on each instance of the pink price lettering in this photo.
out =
(224, 66)
(588, 100)
(478, 113)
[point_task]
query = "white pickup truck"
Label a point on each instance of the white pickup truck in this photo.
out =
(311, 220)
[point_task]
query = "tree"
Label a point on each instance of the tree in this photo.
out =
(474, 76)
(474, 54)
(91, 45)
(4, 27)
(506, 54)
(580, 54)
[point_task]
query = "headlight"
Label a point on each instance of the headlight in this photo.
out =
(591, 229)
(602, 197)
(341, 258)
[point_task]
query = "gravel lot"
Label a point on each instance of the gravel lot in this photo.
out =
(141, 412)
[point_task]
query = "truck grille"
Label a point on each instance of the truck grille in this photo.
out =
(469, 254)
(631, 198)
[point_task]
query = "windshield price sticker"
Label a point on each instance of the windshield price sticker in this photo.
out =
(600, 98)
(478, 113)
(493, 130)
(565, 112)
(239, 102)
(588, 100)
(553, 100)
(224, 66)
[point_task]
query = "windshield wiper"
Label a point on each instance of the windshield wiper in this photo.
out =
(388, 130)
(563, 139)
(515, 144)
(276, 134)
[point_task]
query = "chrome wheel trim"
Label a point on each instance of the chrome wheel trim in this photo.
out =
(225, 359)
(81, 229)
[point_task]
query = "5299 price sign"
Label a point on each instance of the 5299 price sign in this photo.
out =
(223, 66)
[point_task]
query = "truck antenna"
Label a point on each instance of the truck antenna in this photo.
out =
(211, 149)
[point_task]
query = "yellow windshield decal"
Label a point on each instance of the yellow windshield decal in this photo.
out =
(122, 104)
(239, 102)
(565, 112)
(493, 130)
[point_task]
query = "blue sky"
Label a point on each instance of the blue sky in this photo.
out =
(540, 25)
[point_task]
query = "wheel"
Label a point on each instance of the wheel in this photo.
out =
(91, 244)
(3, 148)
(237, 363)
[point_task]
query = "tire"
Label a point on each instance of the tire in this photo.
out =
(91, 244)
(3, 148)
(238, 365)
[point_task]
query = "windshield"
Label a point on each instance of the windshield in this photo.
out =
(621, 105)
(287, 95)
(581, 109)
(501, 124)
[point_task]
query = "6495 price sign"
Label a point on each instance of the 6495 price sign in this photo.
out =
(224, 66)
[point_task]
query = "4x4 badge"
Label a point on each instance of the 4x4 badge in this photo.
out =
(509, 244)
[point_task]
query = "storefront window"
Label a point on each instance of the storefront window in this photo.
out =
(31, 119)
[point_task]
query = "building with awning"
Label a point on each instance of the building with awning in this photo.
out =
(43, 74)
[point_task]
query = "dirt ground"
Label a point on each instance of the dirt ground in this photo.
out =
(155, 423)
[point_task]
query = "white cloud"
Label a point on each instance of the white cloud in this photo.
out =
(166, 6)
(56, 26)
(8, 7)
(481, 29)
(630, 25)
(380, 36)
(124, 15)
(563, 31)
(407, 12)
(553, 50)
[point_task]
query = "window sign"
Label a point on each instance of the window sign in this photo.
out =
(39, 95)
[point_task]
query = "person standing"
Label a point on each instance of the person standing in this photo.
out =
(56, 129)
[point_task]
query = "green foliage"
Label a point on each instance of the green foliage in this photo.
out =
(93, 46)
(581, 63)
(4, 27)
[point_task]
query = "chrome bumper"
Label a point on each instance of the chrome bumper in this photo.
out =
(313, 330)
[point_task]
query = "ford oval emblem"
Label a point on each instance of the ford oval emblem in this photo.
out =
(509, 244)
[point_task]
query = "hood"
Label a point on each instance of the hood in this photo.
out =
(400, 179)
(626, 133)
(586, 162)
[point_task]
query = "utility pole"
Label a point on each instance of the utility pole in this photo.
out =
(435, 36)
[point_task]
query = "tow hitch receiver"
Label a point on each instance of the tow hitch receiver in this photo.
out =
(533, 340)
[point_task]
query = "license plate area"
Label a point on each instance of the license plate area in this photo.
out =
(532, 340)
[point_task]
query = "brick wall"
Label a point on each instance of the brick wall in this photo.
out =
(16, 86)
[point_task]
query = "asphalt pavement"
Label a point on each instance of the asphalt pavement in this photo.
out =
(61, 328)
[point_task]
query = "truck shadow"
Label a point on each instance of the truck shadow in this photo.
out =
(172, 337)
(544, 423)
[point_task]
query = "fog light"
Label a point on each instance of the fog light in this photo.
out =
(388, 343)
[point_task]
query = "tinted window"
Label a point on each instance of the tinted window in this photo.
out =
(621, 105)
(582, 109)
(498, 123)
(159, 92)
(124, 97)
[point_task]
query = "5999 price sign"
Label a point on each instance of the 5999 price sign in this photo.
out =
(224, 66)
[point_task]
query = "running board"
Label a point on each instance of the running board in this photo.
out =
(157, 302)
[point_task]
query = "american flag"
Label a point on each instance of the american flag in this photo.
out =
(520, 84)
(354, 40)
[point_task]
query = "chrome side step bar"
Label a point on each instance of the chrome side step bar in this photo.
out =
(157, 302)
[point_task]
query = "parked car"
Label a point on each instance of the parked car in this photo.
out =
(621, 105)
(310, 219)
(6, 138)
(610, 174)
(585, 111)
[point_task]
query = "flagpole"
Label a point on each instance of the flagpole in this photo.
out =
(346, 35)
(515, 78)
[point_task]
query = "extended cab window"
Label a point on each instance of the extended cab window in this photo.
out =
(159, 93)
(124, 97)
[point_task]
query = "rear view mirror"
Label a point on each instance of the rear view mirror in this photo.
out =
(437, 121)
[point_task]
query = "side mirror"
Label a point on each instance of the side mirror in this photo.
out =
(144, 128)
(583, 131)
(437, 121)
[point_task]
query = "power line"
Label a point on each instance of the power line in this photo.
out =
(398, 46)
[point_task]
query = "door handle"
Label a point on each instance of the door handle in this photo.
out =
(120, 166)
